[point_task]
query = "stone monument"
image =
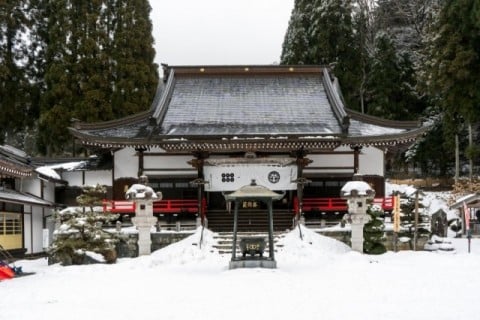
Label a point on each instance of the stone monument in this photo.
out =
(357, 193)
(143, 196)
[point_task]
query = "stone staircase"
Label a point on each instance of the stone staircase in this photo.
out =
(225, 240)
(249, 220)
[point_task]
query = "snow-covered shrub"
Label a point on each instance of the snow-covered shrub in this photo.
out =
(79, 237)
(374, 232)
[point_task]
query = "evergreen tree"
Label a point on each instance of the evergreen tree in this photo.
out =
(374, 232)
(135, 75)
(99, 65)
(14, 55)
(453, 70)
(296, 42)
(455, 67)
(392, 83)
(321, 32)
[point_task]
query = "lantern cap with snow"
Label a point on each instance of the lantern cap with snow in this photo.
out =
(357, 193)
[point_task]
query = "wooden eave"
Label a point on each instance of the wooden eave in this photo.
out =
(255, 143)
(387, 140)
(11, 170)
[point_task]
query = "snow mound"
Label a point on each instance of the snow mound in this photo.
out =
(188, 250)
(311, 246)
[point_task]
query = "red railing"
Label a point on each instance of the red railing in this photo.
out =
(336, 204)
(159, 207)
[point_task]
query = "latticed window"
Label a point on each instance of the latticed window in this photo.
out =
(10, 223)
(11, 230)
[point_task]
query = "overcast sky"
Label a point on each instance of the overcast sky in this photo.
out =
(216, 32)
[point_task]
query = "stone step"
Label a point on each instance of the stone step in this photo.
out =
(249, 220)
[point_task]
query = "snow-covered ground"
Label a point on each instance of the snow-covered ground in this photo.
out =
(316, 278)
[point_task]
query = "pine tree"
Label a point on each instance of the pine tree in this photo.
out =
(374, 232)
(80, 231)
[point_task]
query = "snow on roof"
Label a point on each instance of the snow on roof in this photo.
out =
(49, 171)
(15, 151)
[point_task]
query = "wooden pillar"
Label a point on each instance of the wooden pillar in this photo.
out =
(199, 182)
(270, 230)
(302, 162)
(140, 153)
(356, 158)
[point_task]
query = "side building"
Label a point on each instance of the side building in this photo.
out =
(26, 202)
(213, 129)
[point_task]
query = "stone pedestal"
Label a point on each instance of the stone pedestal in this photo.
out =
(144, 220)
(358, 221)
(144, 225)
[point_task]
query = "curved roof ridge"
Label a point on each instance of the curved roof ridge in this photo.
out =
(336, 102)
(399, 124)
(80, 125)
(161, 101)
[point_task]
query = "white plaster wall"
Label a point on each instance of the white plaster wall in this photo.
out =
(371, 161)
(34, 215)
(159, 165)
(331, 160)
(102, 177)
(33, 228)
(27, 223)
(126, 163)
(74, 178)
(94, 177)
(30, 185)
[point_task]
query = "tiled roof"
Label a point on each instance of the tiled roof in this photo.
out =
(198, 107)
(264, 104)
(12, 196)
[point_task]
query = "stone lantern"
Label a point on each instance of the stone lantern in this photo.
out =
(357, 194)
(143, 196)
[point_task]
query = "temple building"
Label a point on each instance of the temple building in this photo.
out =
(213, 129)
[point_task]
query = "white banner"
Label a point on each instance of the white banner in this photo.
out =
(234, 176)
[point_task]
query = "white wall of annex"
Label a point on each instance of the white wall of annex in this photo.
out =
(126, 163)
(102, 177)
(33, 228)
(371, 161)
(89, 178)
